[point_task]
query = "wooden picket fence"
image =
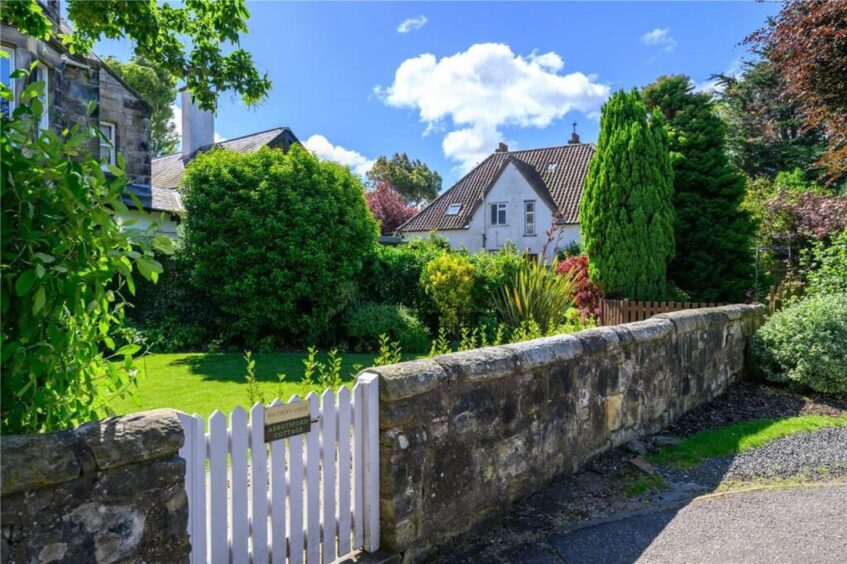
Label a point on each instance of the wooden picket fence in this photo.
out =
(280, 502)
(615, 312)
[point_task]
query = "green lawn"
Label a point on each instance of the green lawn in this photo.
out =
(203, 382)
(738, 437)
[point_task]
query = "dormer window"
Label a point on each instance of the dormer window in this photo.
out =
(453, 209)
(551, 167)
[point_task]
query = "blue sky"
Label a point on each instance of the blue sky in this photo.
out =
(464, 76)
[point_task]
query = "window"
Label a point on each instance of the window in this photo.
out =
(453, 209)
(107, 145)
(498, 214)
(7, 67)
(42, 74)
(551, 167)
(529, 217)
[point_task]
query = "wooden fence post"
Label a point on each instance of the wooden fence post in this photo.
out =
(370, 416)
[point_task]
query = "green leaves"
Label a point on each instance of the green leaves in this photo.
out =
(65, 266)
(626, 215)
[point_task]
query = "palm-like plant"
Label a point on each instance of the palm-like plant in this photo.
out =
(537, 293)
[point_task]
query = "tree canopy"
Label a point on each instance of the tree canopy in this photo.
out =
(807, 43)
(765, 131)
(412, 179)
(158, 88)
(197, 42)
(713, 234)
(626, 214)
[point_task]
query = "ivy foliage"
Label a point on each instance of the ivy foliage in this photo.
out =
(197, 41)
(714, 235)
(276, 240)
(67, 264)
(626, 213)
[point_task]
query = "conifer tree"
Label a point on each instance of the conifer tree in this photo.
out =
(714, 235)
(626, 213)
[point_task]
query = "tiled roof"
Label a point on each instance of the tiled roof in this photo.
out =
(561, 169)
(168, 170)
(155, 199)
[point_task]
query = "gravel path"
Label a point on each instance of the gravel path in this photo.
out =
(811, 455)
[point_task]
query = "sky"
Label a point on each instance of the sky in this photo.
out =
(446, 82)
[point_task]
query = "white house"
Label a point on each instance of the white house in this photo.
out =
(512, 196)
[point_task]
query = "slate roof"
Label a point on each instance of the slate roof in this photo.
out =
(563, 183)
(168, 170)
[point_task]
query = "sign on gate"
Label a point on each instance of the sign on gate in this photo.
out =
(287, 420)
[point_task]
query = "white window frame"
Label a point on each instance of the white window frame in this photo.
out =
(529, 218)
(11, 51)
(112, 149)
(453, 209)
(494, 218)
(43, 74)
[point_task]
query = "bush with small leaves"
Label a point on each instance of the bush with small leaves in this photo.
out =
(806, 344)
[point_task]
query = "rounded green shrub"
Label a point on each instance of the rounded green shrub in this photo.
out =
(277, 240)
(806, 344)
(367, 322)
(449, 280)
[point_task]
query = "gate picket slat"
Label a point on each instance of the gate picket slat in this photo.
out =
(344, 528)
(238, 466)
(278, 491)
(199, 537)
(328, 474)
(218, 443)
(370, 452)
(295, 493)
(259, 481)
(358, 474)
(313, 491)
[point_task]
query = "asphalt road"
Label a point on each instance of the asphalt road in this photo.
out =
(772, 526)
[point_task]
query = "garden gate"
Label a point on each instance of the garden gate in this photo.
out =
(311, 497)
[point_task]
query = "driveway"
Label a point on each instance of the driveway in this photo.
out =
(801, 524)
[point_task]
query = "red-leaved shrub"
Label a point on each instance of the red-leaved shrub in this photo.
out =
(587, 295)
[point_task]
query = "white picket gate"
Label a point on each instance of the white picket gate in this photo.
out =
(280, 502)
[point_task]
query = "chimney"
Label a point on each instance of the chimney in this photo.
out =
(198, 127)
(502, 148)
(574, 140)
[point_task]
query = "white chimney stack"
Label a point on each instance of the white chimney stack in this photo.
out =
(198, 127)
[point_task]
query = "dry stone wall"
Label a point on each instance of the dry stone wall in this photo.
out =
(108, 491)
(464, 435)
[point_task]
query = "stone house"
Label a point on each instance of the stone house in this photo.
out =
(512, 197)
(72, 82)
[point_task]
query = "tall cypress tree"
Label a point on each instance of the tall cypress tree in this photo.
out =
(626, 215)
(714, 235)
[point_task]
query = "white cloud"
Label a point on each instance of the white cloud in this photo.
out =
(660, 37)
(472, 94)
(323, 149)
(411, 24)
(177, 121)
(711, 84)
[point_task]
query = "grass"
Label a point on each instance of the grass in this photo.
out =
(738, 437)
(203, 382)
(634, 483)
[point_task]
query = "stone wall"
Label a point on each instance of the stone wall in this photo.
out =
(108, 491)
(463, 436)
